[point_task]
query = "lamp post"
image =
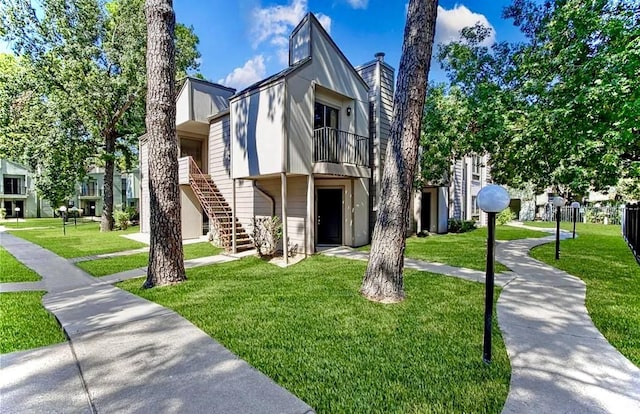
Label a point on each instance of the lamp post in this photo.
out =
(492, 199)
(17, 210)
(575, 206)
(63, 211)
(558, 202)
(74, 209)
(93, 211)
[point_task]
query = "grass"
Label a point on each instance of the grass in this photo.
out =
(103, 267)
(82, 240)
(39, 222)
(11, 270)
(307, 328)
(25, 324)
(463, 249)
(602, 259)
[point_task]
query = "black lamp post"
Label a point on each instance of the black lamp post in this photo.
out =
(63, 212)
(17, 210)
(75, 216)
(558, 202)
(575, 206)
(492, 199)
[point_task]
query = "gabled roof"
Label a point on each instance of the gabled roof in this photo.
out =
(309, 17)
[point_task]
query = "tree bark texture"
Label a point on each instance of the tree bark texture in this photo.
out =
(383, 279)
(106, 222)
(166, 258)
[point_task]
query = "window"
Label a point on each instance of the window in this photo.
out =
(474, 206)
(12, 185)
(475, 167)
(325, 116)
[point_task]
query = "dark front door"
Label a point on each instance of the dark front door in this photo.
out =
(425, 212)
(329, 218)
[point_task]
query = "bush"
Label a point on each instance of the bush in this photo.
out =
(266, 233)
(505, 216)
(3, 213)
(121, 219)
(461, 226)
(134, 215)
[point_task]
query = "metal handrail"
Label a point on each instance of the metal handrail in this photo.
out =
(195, 170)
(337, 146)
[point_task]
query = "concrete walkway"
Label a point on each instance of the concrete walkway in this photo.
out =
(560, 362)
(125, 354)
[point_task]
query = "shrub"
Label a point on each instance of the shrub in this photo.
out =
(121, 219)
(3, 213)
(505, 216)
(461, 226)
(266, 233)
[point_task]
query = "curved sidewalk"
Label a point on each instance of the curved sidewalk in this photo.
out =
(560, 362)
(129, 354)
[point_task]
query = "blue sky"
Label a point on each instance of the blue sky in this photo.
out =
(244, 41)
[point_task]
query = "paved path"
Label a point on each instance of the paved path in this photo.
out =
(125, 354)
(560, 362)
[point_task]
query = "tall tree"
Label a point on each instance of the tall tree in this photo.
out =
(166, 265)
(383, 279)
(88, 58)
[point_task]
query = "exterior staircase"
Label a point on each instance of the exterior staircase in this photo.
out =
(217, 209)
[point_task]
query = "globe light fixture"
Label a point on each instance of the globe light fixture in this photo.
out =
(63, 212)
(492, 199)
(575, 206)
(17, 210)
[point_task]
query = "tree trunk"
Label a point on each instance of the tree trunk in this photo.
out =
(106, 222)
(383, 278)
(166, 258)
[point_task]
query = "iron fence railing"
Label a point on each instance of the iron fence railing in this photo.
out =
(336, 146)
(631, 227)
(586, 214)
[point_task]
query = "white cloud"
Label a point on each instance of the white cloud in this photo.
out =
(450, 22)
(252, 71)
(358, 4)
(275, 23)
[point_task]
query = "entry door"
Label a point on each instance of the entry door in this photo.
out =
(425, 212)
(329, 218)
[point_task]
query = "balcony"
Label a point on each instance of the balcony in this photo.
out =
(90, 192)
(340, 147)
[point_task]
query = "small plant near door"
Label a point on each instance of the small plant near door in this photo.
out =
(266, 233)
(3, 213)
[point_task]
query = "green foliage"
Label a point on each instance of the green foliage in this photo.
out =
(25, 324)
(77, 84)
(601, 258)
(266, 232)
(11, 270)
(562, 108)
(3, 213)
(121, 218)
(309, 329)
(505, 216)
(461, 226)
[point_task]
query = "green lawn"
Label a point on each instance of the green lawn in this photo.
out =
(601, 258)
(11, 270)
(307, 327)
(41, 222)
(81, 240)
(463, 249)
(25, 324)
(113, 265)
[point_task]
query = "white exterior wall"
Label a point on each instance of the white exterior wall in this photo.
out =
(220, 171)
(183, 107)
(258, 151)
(190, 213)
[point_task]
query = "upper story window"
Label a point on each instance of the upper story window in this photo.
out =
(475, 168)
(12, 185)
(325, 116)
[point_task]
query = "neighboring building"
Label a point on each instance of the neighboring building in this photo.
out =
(306, 144)
(16, 190)
(90, 192)
(470, 174)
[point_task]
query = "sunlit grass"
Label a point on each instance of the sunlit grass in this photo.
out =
(103, 267)
(11, 270)
(308, 328)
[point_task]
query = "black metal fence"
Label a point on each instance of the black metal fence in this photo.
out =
(336, 146)
(631, 227)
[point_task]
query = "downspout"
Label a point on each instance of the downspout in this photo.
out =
(267, 196)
